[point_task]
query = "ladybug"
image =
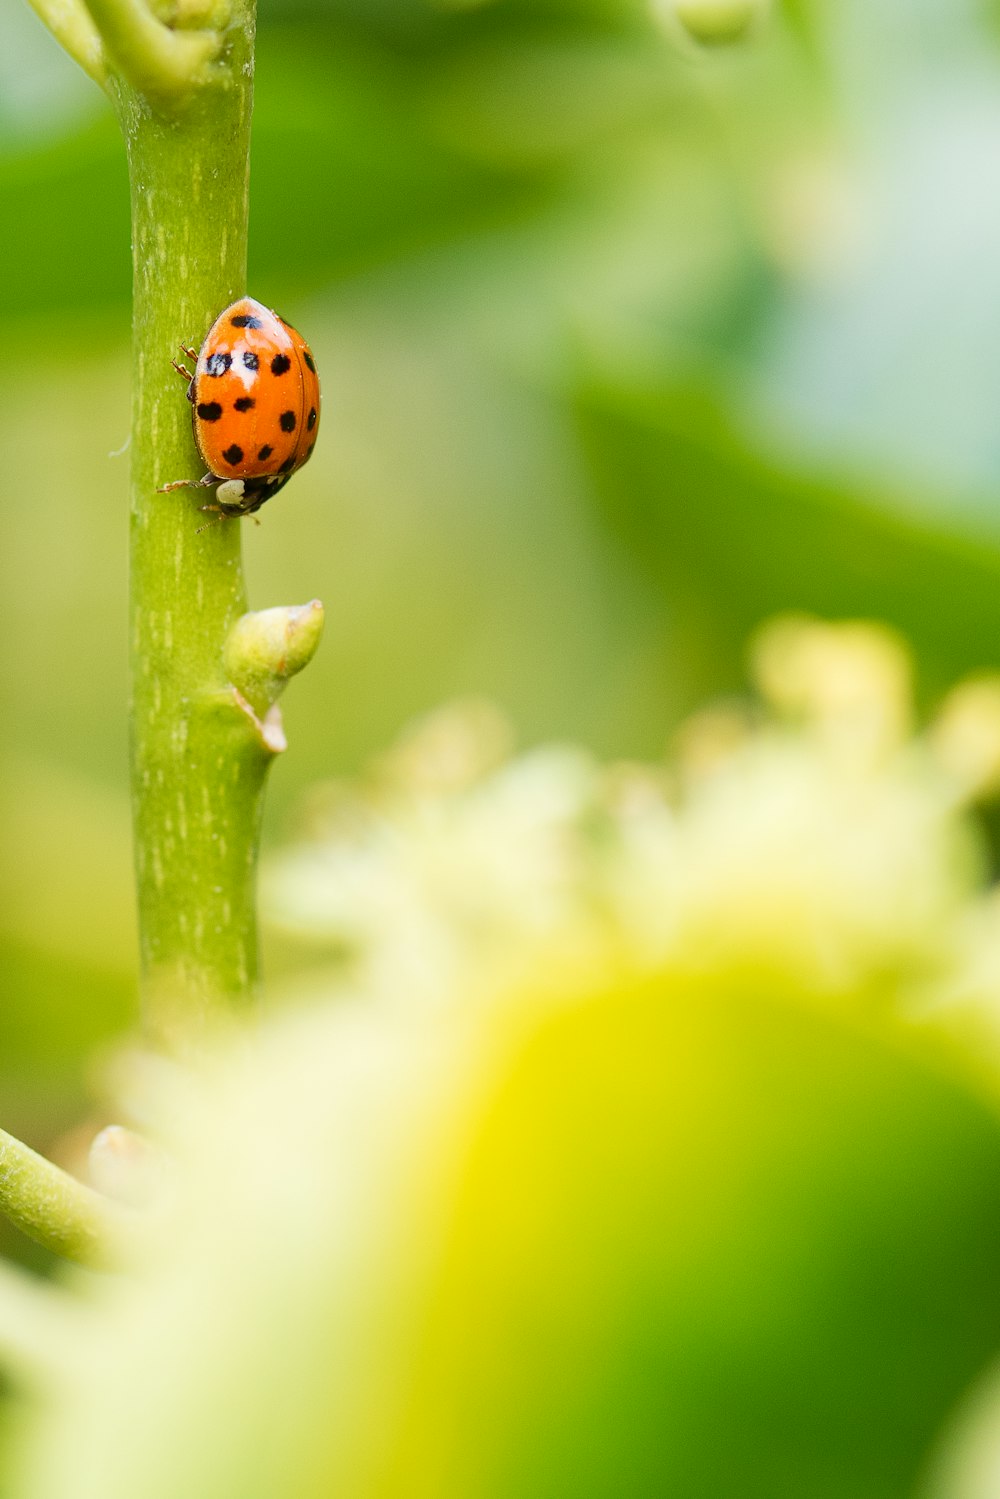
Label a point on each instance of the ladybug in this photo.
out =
(255, 400)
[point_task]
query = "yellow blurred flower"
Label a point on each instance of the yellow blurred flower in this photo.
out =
(568, 1185)
(809, 835)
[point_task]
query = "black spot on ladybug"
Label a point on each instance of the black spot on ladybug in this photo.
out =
(280, 363)
(244, 320)
(209, 411)
(233, 455)
(217, 364)
(286, 421)
(288, 465)
(309, 452)
(309, 360)
(265, 453)
(244, 403)
(250, 360)
(311, 421)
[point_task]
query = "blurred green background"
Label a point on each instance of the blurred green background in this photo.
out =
(625, 345)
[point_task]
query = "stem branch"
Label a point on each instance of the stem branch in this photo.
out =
(72, 26)
(54, 1209)
(159, 63)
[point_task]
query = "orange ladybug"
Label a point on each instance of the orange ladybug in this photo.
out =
(255, 394)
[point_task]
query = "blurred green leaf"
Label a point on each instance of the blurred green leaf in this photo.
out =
(738, 1249)
(65, 256)
(667, 1239)
(730, 535)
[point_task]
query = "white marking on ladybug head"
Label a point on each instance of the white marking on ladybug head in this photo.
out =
(231, 492)
(246, 373)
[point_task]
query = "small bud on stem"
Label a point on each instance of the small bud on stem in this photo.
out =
(714, 22)
(266, 647)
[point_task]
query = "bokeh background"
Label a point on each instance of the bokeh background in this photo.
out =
(626, 344)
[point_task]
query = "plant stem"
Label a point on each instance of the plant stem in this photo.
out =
(56, 1210)
(205, 723)
(198, 761)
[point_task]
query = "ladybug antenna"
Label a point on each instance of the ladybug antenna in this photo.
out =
(220, 517)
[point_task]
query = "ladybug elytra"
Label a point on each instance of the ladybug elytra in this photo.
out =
(255, 399)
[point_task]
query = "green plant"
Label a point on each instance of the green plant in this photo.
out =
(650, 1150)
(608, 1156)
(206, 674)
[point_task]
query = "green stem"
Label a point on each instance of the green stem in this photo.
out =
(205, 723)
(198, 760)
(56, 1210)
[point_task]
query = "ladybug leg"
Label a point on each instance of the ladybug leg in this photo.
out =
(204, 483)
(222, 511)
(191, 353)
(219, 518)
